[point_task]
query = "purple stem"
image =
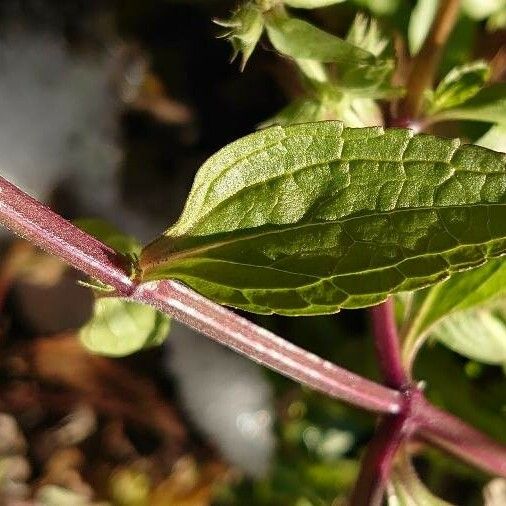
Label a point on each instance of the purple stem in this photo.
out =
(46, 229)
(378, 460)
(386, 340)
(263, 346)
(36, 223)
(453, 435)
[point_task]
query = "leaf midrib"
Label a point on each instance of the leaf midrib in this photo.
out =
(195, 252)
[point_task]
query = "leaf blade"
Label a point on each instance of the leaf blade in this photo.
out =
(314, 217)
(120, 327)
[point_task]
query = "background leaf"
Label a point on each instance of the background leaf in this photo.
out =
(119, 327)
(110, 235)
(488, 105)
(478, 334)
(460, 84)
(406, 489)
(310, 218)
(420, 22)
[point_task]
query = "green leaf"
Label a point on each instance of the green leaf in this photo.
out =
(459, 85)
(244, 30)
(494, 139)
(488, 105)
(359, 70)
(119, 327)
(298, 39)
(311, 4)
(366, 34)
(464, 290)
(110, 235)
(478, 334)
(420, 22)
(311, 218)
(481, 9)
(406, 489)
(354, 112)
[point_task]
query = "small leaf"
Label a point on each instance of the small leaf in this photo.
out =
(366, 34)
(488, 105)
(119, 327)
(478, 334)
(464, 290)
(311, 4)
(406, 489)
(298, 39)
(459, 85)
(110, 235)
(420, 22)
(244, 30)
(311, 218)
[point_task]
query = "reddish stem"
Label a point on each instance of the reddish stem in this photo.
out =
(378, 460)
(386, 340)
(36, 223)
(263, 346)
(456, 437)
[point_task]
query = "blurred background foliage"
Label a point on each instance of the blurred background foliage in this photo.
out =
(137, 95)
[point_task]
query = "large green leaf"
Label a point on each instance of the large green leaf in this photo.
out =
(314, 217)
(488, 105)
(119, 327)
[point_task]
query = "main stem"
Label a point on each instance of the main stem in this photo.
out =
(46, 229)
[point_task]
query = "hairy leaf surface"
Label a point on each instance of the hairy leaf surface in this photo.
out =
(310, 218)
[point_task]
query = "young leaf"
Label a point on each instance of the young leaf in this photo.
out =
(110, 235)
(298, 39)
(420, 21)
(406, 489)
(464, 290)
(310, 218)
(119, 327)
(478, 334)
(488, 105)
(244, 30)
(459, 85)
